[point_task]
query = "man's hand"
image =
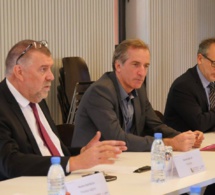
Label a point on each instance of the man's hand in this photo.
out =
(96, 138)
(199, 138)
(182, 142)
(92, 142)
(96, 152)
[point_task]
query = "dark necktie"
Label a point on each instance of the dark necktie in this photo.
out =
(128, 113)
(47, 140)
(212, 95)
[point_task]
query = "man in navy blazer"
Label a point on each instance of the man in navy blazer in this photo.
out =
(118, 106)
(23, 152)
(188, 105)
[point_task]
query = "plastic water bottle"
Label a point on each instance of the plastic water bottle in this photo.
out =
(158, 160)
(195, 190)
(56, 176)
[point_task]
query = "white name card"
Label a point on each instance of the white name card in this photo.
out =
(90, 185)
(189, 163)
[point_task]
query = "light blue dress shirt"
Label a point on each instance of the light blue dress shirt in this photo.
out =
(127, 107)
(205, 84)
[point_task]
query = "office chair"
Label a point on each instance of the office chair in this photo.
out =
(64, 104)
(79, 91)
(75, 70)
(62, 97)
(160, 115)
(65, 132)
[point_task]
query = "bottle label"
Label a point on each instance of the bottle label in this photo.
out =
(56, 187)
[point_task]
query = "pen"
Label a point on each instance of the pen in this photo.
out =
(142, 169)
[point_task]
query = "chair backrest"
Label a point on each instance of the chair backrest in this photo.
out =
(65, 132)
(79, 91)
(160, 115)
(75, 70)
(64, 104)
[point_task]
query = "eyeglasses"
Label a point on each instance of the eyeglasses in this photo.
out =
(36, 45)
(212, 62)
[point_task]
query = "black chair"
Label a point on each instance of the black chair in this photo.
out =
(160, 115)
(74, 70)
(62, 78)
(64, 104)
(65, 132)
(62, 97)
(79, 91)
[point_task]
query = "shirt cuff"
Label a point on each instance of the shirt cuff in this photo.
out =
(68, 167)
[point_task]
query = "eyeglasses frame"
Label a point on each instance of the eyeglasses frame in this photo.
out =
(41, 43)
(212, 62)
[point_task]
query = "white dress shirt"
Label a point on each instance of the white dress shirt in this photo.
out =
(29, 116)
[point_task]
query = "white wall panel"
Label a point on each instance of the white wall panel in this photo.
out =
(173, 45)
(174, 28)
(72, 27)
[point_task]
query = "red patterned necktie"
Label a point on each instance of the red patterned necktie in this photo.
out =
(212, 95)
(53, 150)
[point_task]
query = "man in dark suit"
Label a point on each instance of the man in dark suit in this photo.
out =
(188, 105)
(118, 106)
(23, 148)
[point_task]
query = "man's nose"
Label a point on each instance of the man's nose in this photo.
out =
(142, 71)
(50, 76)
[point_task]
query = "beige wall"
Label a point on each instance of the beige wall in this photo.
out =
(173, 30)
(72, 27)
(87, 28)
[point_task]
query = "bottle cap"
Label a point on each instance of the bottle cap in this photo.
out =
(195, 189)
(158, 135)
(55, 160)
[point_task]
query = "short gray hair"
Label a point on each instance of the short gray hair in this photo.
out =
(17, 50)
(120, 52)
(204, 45)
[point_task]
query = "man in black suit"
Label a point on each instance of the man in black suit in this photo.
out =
(188, 105)
(23, 151)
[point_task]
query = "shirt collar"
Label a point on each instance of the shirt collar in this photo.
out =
(204, 81)
(124, 94)
(22, 101)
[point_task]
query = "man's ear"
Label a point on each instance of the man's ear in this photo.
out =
(199, 58)
(117, 66)
(18, 72)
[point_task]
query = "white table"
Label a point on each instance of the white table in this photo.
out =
(127, 182)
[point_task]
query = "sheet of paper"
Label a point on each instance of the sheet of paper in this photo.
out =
(189, 163)
(90, 185)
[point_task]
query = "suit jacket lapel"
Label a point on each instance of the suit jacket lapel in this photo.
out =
(199, 85)
(17, 111)
(112, 76)
(137, 110)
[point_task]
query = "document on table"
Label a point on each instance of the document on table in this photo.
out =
(189, 163)
(89, 185)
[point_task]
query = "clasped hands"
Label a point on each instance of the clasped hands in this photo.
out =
(185, 141)
(97, 152)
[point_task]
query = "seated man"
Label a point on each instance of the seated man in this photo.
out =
(28, 136)
(191, 100)
(118, 106)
